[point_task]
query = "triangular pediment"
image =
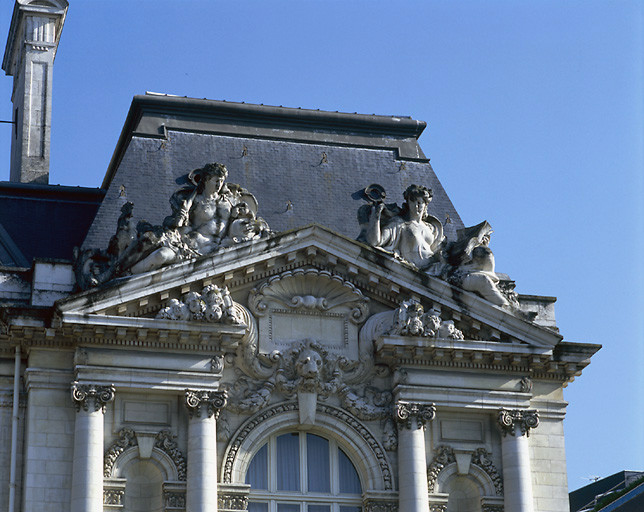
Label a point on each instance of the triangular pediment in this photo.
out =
(385, 281)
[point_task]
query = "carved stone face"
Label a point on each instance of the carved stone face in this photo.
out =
(308, 364)
(417, 208)
(214, 184)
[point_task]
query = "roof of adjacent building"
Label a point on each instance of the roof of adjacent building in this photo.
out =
(304, 166)
(43, 221)
(581, 498)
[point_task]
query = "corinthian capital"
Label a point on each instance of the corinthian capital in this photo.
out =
(510, 420)
(210, 402)
(98, 396)
(414, 415)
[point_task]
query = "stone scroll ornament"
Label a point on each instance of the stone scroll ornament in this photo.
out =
(416, 237)
(517, 421)
(85, 395)
(208, 214)
(209, 403)
(413, 415)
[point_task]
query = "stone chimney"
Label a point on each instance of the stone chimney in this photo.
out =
(29, 57)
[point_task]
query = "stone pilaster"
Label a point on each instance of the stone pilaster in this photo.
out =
(203, 409)
(412, 462)
(87, 472)
(515, 427)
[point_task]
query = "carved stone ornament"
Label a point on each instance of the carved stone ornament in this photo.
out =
(208, 402)
(414, 236)
(231, 501)
(523, 420)
(373, 505)
(483, 459)
(127, 438)
(213, 304)
(113, 497)
(296, 303)
(98, 396)
(410, 319)
(526, 384)
(443, 455)
(174, 500)
(414, 415)
(493, 508)
(207, 215)
(165, 442)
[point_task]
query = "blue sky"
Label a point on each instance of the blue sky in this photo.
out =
(535, 123)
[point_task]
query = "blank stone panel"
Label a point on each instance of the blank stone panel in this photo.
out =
(461, 430)
(146, 413)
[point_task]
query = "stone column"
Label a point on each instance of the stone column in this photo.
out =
(203, 408)
(87, 467)
(517, 478)
(412, 462)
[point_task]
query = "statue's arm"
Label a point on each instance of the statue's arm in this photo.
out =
(374, 234)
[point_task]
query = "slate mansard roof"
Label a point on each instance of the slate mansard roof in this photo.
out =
(304, 166)
(43, 221)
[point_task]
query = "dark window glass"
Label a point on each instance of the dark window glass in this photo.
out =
(257, 475)
(349, 481)
(288, 462)
(318, 464)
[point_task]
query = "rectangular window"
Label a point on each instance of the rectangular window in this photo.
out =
(256, 506)
(288, 507)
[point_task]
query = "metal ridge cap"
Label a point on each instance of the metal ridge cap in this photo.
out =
(386, 124)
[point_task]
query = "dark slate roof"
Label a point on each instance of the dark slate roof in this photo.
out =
(304, 166)
(43, 221)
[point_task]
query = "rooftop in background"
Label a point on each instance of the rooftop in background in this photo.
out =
(43, 221)
(587, 497)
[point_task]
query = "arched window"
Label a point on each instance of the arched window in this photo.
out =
(302, 472)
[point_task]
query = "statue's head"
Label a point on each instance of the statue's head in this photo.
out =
(416, 192)
(417, 198)
(212, 175)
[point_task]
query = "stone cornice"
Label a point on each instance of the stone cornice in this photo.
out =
(538, 362)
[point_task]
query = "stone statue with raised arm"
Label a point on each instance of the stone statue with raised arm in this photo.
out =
(412, 235)
(416, 237)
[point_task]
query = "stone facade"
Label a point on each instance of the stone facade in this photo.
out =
(216, 359)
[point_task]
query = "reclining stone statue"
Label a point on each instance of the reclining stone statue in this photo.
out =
(208, 214)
